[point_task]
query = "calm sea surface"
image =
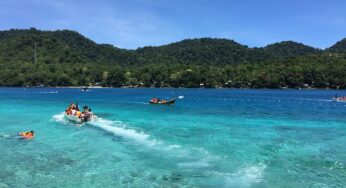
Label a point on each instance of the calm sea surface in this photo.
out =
(209, 138)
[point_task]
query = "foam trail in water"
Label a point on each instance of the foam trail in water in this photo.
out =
(198, 158)
(49, 92)
(139, 102)
(5, 136)
(246, 176)
(118, 128)
(191, 158)
(176, 151)
(308, 99)
(60, 118)
(122, 102)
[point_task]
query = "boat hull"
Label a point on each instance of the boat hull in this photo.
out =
(168, 102)
(339, 100)
(73, 119)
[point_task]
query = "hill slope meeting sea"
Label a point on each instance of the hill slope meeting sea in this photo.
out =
(66, 58)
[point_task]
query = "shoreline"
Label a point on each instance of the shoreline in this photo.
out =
(126, 87)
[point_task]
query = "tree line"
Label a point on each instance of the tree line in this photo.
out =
(66, 58)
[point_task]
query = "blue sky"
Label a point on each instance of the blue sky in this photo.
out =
(137, 23)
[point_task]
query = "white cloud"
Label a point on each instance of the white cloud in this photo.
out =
(106, 22)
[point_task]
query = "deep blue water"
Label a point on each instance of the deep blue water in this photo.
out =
(209, 138)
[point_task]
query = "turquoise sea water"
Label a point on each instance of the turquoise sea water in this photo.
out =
(209, 138)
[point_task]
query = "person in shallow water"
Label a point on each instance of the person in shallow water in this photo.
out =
(27, 135)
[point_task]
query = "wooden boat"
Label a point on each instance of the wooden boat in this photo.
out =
(172, 101)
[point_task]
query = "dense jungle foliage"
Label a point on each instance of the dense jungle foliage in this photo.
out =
(66, 58)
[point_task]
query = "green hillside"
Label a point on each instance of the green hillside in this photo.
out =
(66, 58)
(288, 49)
(339, 47)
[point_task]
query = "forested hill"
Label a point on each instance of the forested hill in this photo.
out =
(57, 47)
(64, 58)
(290, 49)
(71, 47)
(339, 47)
(203, 51)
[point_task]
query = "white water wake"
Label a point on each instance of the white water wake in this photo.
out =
(245, 177)
(187, 159)
(49, 92)
(60, 118)
(119, 128)
(5, 136)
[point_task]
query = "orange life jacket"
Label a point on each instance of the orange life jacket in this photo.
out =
(78, 113)
(26, 135)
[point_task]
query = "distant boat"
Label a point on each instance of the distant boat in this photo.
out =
(84, 88)
(339, 99)
(157, 101)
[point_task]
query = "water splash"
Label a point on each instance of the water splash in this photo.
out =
(60, 118)
(49, 92)
(5, 136)
(119, 128)
(246, 176)
(187, 159)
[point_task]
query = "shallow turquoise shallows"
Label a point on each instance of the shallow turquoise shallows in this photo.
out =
(208, 138)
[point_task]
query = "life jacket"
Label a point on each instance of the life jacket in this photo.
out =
(69, 111)
(78, 113)
(87, 115)
(27, 135)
